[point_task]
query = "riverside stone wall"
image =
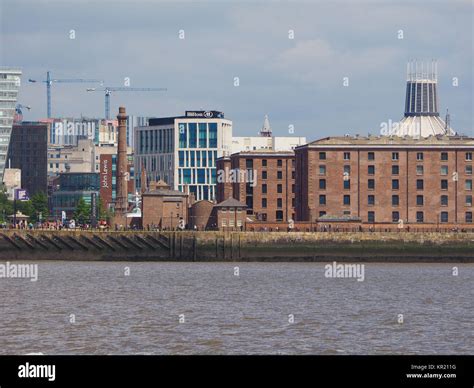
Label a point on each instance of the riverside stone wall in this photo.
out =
(236, 246)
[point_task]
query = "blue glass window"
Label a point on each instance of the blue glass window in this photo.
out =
(201, 175)
(192, 158)
(186, 175)
(205, 192)
(192, 128)
(204, 159)
(202, 135)
(152, 142)
(182, 135)
(181, 158)
(160, 141)
(213, 176)
(212, 135)
(198, 158)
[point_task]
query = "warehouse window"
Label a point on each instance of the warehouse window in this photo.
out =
(346, 200)
(444, 216)
(419, 200)
(395, 200)
(371, 216)
(469, 217)
(420, 217)
(371, 200)
(444, 200)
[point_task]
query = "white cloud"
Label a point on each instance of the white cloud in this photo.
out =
(317, 62)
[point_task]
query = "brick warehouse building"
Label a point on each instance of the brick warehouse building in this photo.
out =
(386, 179)
(264, 180)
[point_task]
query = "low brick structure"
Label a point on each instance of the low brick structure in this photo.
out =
(164, 208)
(202, 216)
(231, 215)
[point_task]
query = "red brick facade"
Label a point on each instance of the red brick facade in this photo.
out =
(202, 216)
(269, 197)
(164, 209)
(384, 180)
(106, 171)
(231, 215)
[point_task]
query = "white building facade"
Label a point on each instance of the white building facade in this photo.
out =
(275, 143)
(182, 151)
(10, 81)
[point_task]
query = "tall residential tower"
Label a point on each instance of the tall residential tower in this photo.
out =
(9, 86)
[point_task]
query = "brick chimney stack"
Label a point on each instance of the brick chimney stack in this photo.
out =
(121, 202)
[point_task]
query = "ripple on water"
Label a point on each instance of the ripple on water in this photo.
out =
(245, 315)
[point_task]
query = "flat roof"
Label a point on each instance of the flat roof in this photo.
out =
(264, 152)
(390, 142)
(189, 114)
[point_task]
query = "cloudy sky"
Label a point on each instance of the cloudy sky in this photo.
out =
(296, 81)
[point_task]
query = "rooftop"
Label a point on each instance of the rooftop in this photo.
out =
(231, 202)
(165, 192)
(391, 141)
(264, 152)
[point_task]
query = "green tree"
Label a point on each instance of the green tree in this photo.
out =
(82, 212)
(6, 206)
(102, 211)
(40, 205)
(26, 207)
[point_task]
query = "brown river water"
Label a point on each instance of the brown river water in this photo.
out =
(269, 308)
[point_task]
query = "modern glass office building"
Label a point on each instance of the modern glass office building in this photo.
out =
(9, 86)
(182, 151)
(73, 187)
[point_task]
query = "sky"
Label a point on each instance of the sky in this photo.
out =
(300, 82)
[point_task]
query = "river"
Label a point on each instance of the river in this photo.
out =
(257, 308)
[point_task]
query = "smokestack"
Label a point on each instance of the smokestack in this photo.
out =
(143, 179)
(121, 203)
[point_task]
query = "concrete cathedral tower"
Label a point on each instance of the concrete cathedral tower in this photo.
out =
(421, 118)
